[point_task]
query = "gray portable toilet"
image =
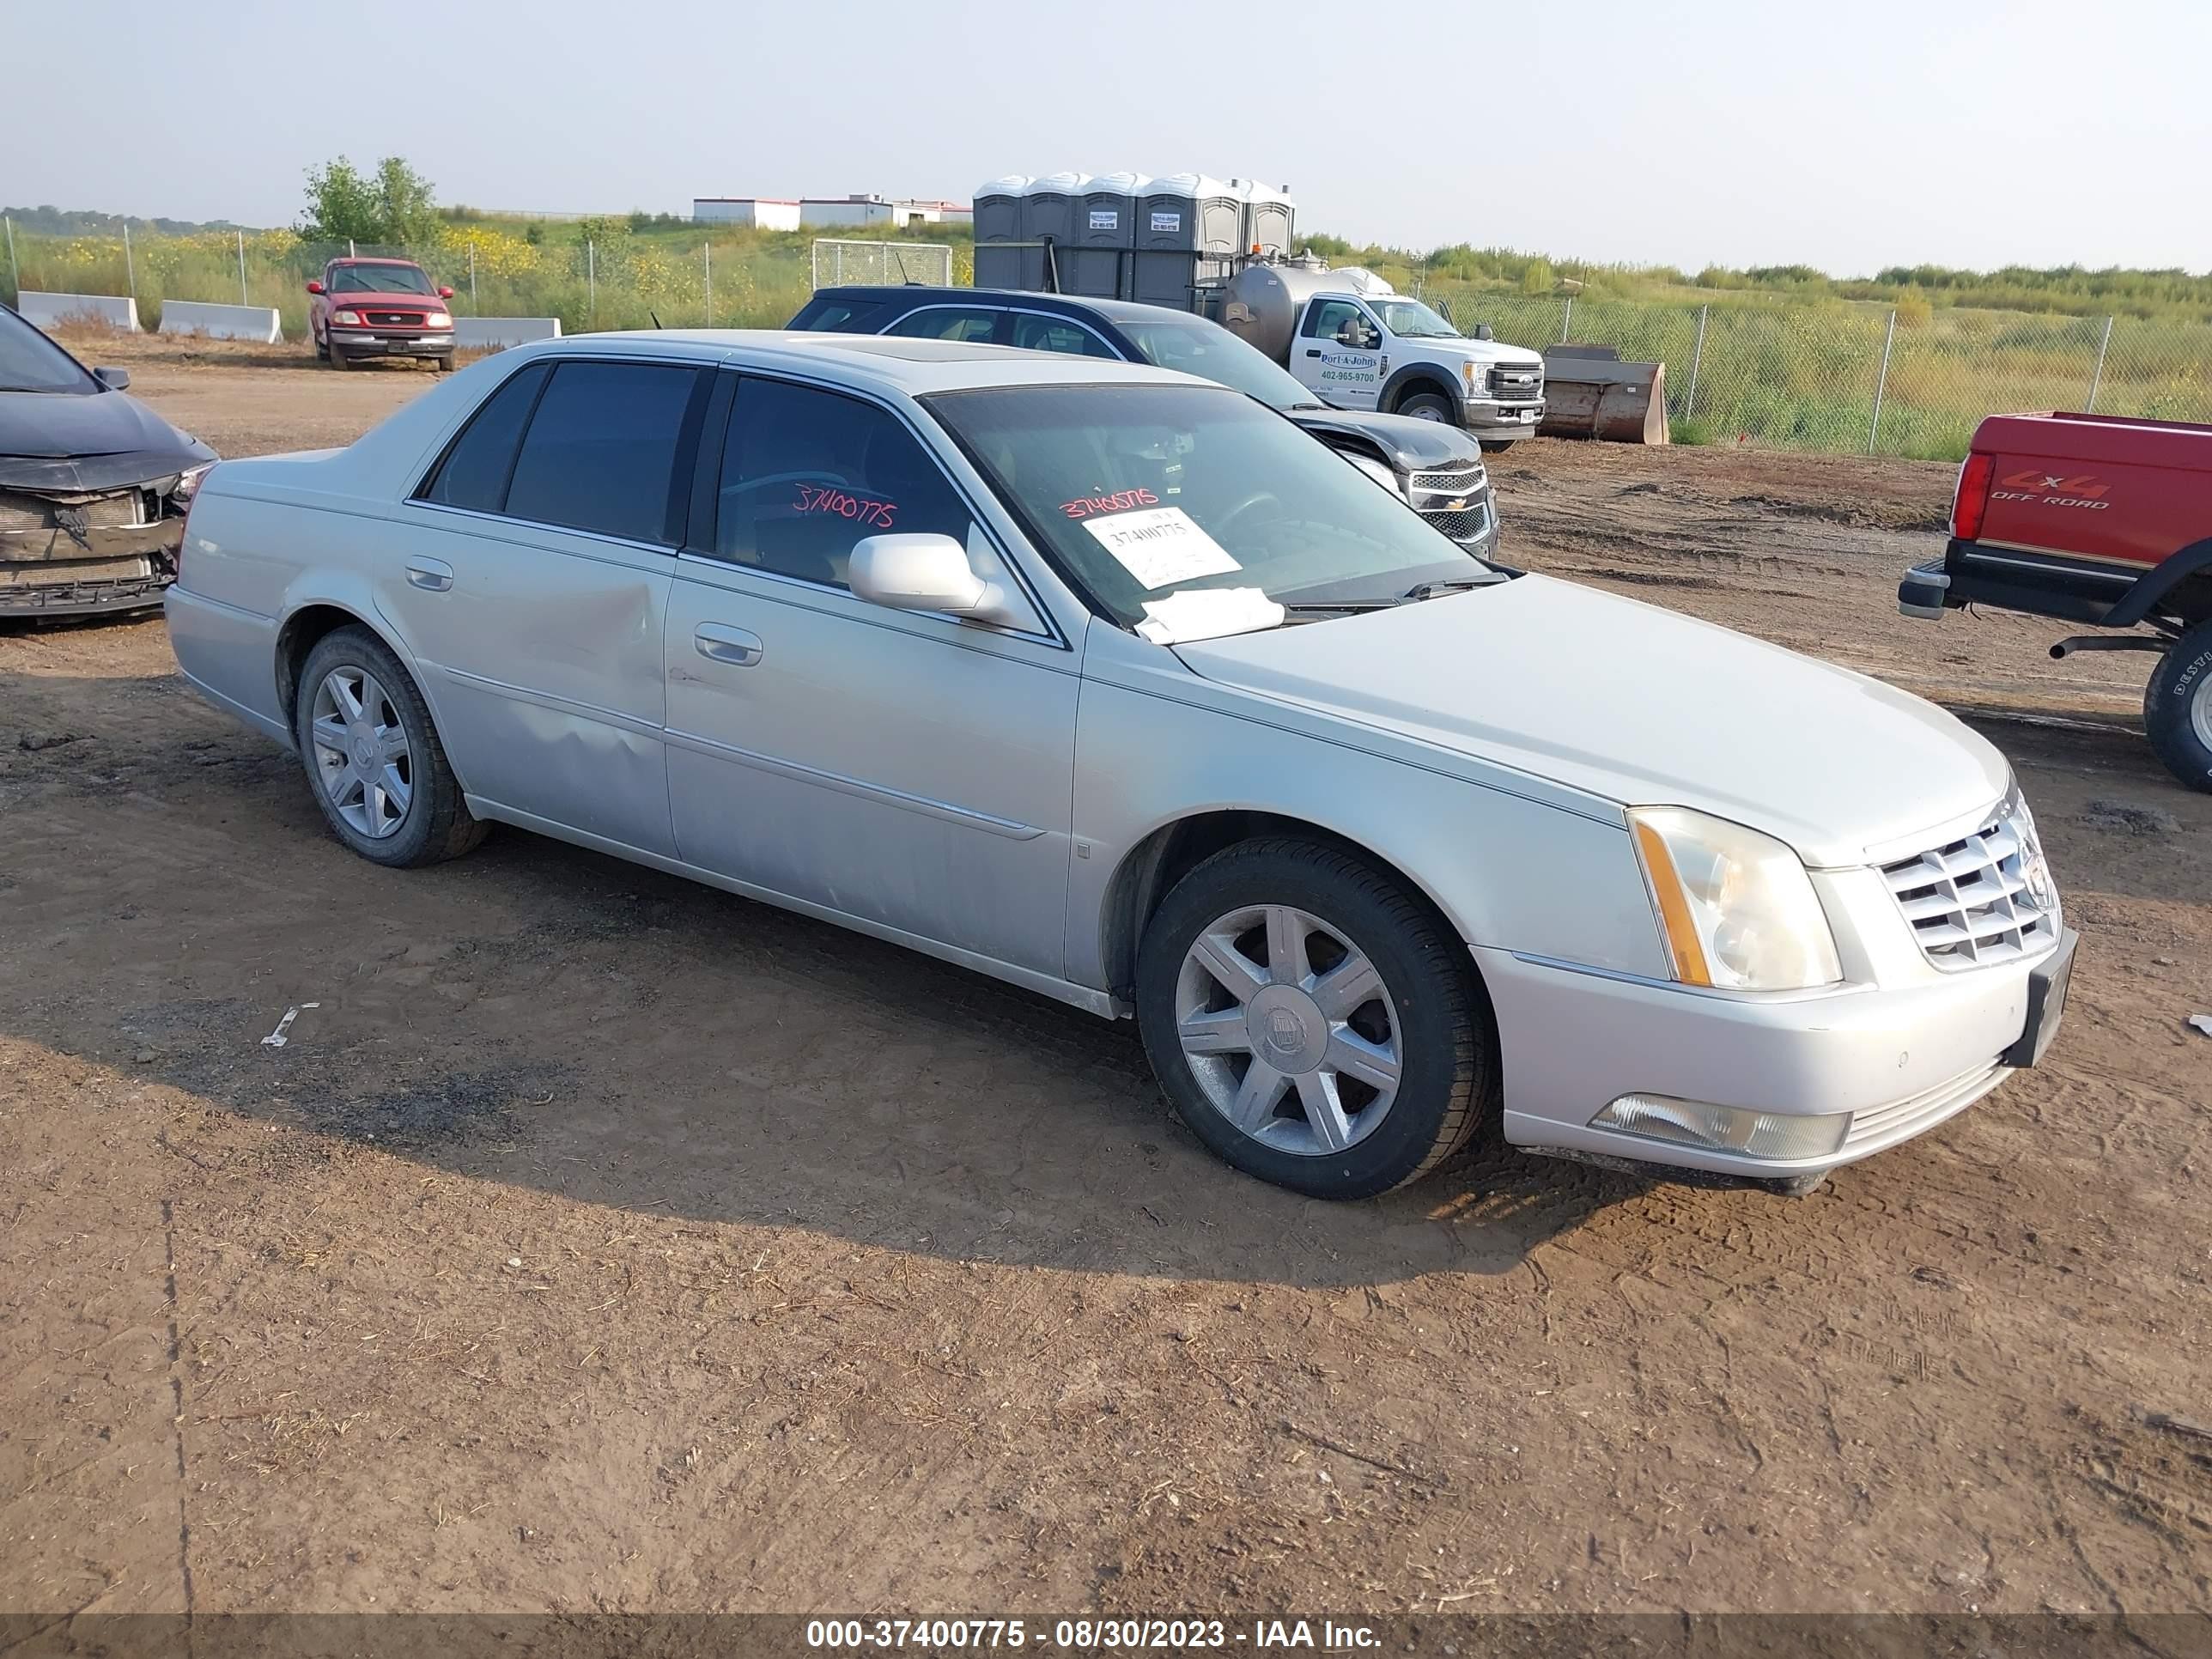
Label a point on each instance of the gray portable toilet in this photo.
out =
(998, 219)
(1270, 215)
(1106, 236)
(1050, 211)
(1168, 240)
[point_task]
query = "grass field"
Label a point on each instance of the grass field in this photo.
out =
(1788, 364)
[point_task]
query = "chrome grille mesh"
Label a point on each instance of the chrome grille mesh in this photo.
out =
(1984, 898)
(1459, 480)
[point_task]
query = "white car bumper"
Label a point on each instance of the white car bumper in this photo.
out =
(1900, 1060)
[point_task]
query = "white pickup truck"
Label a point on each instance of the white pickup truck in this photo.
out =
(1358, 343)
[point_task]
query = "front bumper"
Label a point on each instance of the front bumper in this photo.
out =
(51, 573)
(1496, 420)
(1900, 1061)
(383, 343)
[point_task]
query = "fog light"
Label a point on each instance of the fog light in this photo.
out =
(1726, 1129)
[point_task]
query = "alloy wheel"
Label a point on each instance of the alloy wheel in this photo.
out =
(362, 757)
(1289, 1029)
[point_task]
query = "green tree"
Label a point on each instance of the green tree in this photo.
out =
(393, 204)
(1539, 278)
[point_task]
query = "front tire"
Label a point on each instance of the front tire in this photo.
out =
(373, 761)
(1312, 1023)
(1428, 406)
(445, 363)
(1496, 445)
(2178, 707)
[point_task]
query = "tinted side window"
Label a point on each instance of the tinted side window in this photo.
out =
(601, 451)
(948, 323)
(807, 474)
(1033, 333)
(474, 472)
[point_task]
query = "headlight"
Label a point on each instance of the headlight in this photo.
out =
(189, 482)
(438, 320)
(351, 317)
(1375, 470)
(1736, 909)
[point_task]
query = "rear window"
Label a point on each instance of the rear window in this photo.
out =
(601, 451)
(829, 316)
(474, 470)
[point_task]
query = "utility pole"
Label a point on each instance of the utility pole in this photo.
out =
(1882, 381)
(242, 298)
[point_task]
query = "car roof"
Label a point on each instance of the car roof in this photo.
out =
(914, 367)
(374, 259)
(918, 294)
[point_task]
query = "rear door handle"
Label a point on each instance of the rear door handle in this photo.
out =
(435, 575)
(720, 643)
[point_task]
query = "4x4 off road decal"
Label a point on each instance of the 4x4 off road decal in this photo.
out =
(2048, 489)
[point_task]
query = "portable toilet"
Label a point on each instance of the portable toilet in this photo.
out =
(1269, 218)
(1050, 211)
(1169, 236)
(1106, 236)
(998, 221)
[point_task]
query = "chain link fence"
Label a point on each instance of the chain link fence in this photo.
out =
(836, 262)
(1867, 378)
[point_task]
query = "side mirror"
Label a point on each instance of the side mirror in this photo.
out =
(314, 288)
(113, 379)
(1482, 331)
(925, 573)
(445, 293)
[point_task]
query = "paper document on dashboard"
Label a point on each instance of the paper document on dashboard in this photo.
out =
(1161, 546)
(1208, 613)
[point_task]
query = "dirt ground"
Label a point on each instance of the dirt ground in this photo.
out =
(598, 1241)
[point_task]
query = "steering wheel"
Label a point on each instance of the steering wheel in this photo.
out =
(1228, 519)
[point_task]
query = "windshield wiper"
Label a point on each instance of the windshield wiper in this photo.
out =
(1455, 585)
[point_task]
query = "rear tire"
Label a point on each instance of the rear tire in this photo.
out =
(1310, 1128)
(1496, 445)
(2178, 707)
(433, 823)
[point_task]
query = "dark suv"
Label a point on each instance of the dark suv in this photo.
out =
(1437, 468)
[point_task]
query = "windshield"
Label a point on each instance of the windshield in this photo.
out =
(1410, 319)
(1142, 492)
(381, 279)
(1212, 353)
(29, 362)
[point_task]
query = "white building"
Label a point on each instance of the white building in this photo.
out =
(828, 212)
(768, 212)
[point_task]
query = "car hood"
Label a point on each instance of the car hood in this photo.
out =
(1637, 705)
(1415, 445)
(92, 440)
(383, 302)
(1480, 351)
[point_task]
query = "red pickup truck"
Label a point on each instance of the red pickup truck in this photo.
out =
(364, 308)
(2097, 520)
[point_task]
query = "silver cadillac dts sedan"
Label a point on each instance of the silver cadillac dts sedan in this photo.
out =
(1115, 684)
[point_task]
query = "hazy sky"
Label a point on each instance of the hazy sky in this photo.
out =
(1846, 137)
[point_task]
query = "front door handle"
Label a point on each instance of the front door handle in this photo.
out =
(720, 643)
(434, 576)
(1313, 351)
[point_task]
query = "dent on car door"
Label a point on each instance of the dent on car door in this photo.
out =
(908, 770)
(531, 584)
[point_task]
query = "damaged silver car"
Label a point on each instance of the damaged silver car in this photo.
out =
(93, 484)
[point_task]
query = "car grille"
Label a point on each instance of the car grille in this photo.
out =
(1984, 898)
(393, 319)
(1506, 382)
(1462, 480)
(1469, 524)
